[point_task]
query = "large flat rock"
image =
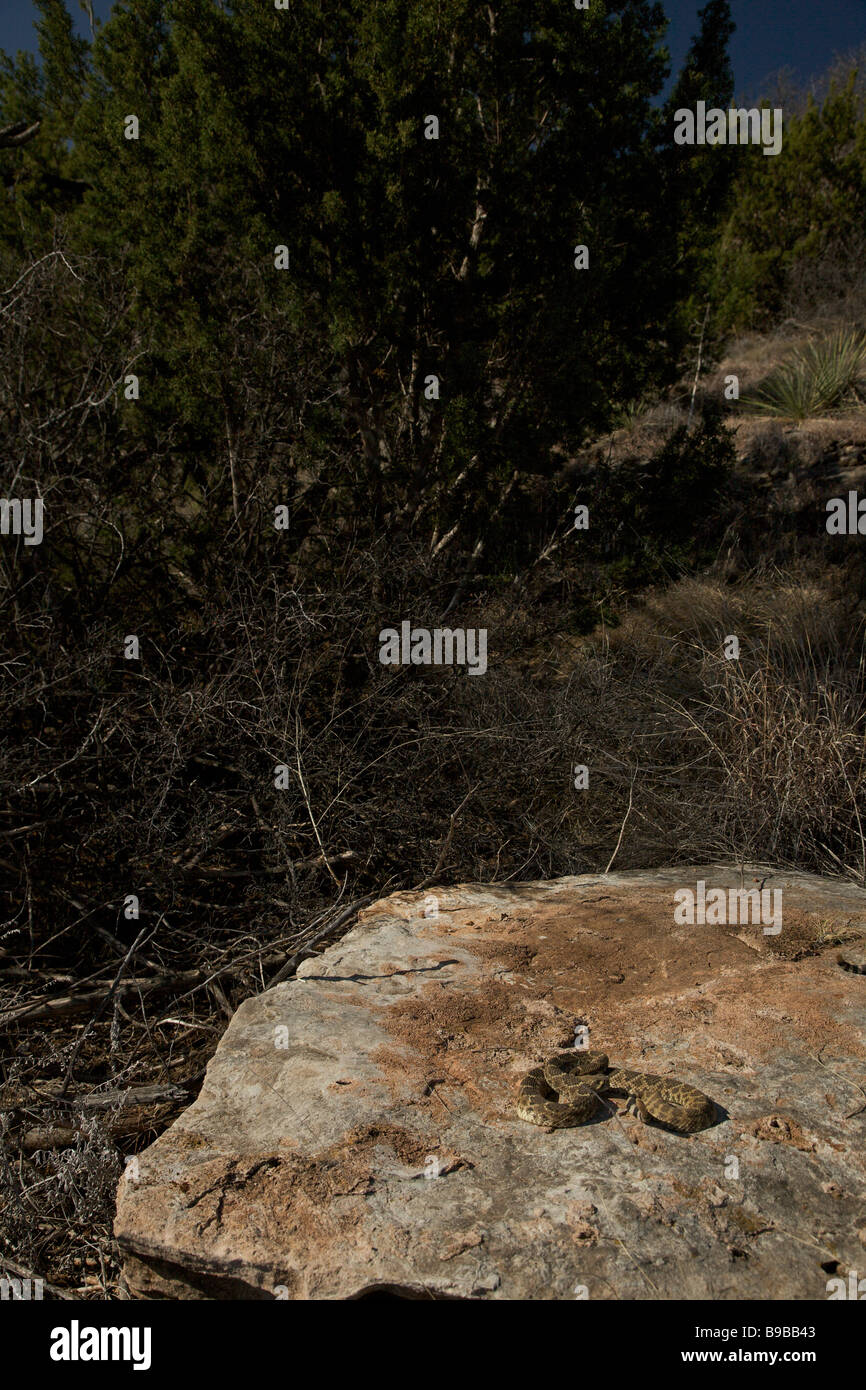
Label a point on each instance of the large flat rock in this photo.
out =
(356, 1132)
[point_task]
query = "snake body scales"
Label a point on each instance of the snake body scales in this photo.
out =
(568, 1090)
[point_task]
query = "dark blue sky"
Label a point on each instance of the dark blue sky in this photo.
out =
(801, 34)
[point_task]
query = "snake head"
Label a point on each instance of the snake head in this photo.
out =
(635, 1106)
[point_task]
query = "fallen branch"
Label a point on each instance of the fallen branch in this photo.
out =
(125, 1125)
(67, 1004)
(294, 961)
(50, 1093)
(21, 1272)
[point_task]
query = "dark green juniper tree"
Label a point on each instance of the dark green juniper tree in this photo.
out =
(795, 228)
(699, 179)
(409, 258)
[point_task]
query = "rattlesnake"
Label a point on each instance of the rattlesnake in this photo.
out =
(581, 1079)
(852, 959)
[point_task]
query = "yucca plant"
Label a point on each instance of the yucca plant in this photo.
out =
(820, 378)
(628, 412)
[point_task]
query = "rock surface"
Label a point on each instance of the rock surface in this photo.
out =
(356, 1133)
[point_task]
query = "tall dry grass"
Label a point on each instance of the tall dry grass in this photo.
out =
(767, 751)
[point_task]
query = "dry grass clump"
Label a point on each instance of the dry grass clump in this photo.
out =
(753, 356)
(776, 737)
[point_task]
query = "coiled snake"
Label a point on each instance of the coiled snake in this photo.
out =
(568, 1089)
